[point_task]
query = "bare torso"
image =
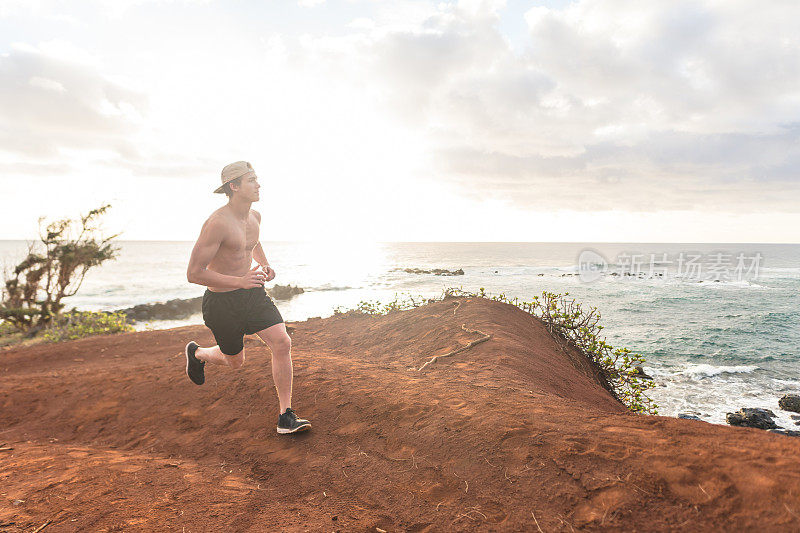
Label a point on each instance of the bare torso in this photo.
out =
(235, 253)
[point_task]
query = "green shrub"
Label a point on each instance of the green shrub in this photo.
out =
(9, 334)
(399, 303)
(7, 328)
(568, 323)
(79, 324)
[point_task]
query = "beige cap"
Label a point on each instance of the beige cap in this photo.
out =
(233, 171)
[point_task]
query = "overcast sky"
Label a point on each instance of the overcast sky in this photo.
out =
(593, 120)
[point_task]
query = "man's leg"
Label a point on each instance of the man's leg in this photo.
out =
(214, 355)
(281, 345)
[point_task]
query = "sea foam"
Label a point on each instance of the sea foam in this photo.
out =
(703, 370)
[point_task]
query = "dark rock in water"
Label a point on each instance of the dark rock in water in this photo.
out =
(752, 417)
(442, 272)
(284, 292)
(540, 274)
(184, 308)
(171, 310)
(640, 373)
(794, 417)
(689, 417)
(790, 402)
(435, 271)
(787, 432)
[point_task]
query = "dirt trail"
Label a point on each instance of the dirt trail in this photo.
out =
(108, 434)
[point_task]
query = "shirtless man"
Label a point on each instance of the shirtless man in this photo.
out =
(235, 303)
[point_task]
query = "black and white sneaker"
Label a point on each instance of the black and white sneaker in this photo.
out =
(195, 368)
(289, 423)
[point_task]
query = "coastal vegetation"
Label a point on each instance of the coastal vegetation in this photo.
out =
(79, 324)
(569, 324)
(31, 302)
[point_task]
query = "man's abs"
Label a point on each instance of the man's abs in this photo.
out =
(230, 266)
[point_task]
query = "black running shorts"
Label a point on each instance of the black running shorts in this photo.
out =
(233, 314)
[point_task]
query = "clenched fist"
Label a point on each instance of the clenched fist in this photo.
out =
(270, 273)
(253, 278)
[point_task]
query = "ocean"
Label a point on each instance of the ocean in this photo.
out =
(719, 324)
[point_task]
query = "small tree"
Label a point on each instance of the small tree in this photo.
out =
(31, 298)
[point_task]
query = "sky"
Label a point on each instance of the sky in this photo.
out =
(366, 120)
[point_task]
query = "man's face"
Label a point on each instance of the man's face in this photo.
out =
(248, 190)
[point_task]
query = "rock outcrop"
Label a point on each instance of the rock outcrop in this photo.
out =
(180, 308)
(171, 310)
(752, 417)
(434, 271)
(790, 402)
(640, 373)
(284, 292)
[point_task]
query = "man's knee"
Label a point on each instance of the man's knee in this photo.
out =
(236, 361)
(281, 344)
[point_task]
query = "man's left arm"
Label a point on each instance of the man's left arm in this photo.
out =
(260, 256)
(261, 259)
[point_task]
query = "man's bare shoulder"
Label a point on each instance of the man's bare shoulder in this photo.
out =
(256, 214)
(217, 221)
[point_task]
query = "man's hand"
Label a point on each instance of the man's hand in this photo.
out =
(253, 278)
(270, 273)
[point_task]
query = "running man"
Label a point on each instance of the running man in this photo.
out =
(235, 303)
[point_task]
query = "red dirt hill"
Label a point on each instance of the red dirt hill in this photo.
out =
(514, 434)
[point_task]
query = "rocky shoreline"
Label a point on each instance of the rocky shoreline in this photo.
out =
(760, 418)
(180, 308)
(763, 418)
(434, 271)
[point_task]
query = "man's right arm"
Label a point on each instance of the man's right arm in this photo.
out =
(206, 247)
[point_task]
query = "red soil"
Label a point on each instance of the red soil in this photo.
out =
(108, 434)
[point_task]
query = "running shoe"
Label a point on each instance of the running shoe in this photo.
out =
(289, 423)
(195, 368)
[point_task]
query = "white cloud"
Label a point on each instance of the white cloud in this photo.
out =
(50, 103)
(46, 83)
(611, 105)
(654, 105)
(60, 113)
